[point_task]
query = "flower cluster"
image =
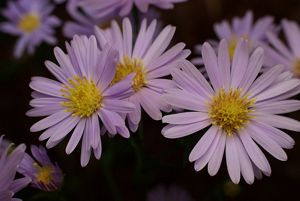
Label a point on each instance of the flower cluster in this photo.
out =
(116, 67)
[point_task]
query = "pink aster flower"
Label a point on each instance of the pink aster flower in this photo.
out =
(10, 158)
(31, 21)
(243, 27)
(44, 174)
(288, 55)
(82, 95)
(171, 193)
(101, 8)
(240, 108)
(148, 58)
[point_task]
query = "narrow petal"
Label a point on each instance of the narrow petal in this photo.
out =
(204, 143)
(232, 159)
(185, 118)
(255, 154)
(279, 121)
(266, 142)
(49, 121)
(184, 130)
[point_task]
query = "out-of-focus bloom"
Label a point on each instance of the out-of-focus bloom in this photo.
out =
(148, 59)
(83, 24)
(243, 27)
(9, 162)
(240, 108)
(31, 21)
(102, 8)
(171, 193)
(280, 53)
(82, 94)
(44, 174)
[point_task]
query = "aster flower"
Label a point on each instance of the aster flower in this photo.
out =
(289, 55)
(82, 23)
(147, 57)
(31, 21)
(101, 8)
(44, 174)
(243, 27)
(240, 109)
(171, 193)
(82, 95)
(9, 162)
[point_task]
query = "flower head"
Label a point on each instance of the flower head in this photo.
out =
(9, 163)
(288, 55)
(169, 193)
(102, 8)
(147, 57)
(82, 23)
(239, 107)
(44, 174)
(82, 95)
(254, 32)
(31, 21)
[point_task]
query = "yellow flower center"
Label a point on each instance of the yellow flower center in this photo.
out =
(296, 67)
(29, 23)
(230, 111)
(44, 174)
(127, 66)
(84, 98)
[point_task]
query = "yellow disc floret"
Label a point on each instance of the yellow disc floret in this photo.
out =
(127, 66)
(29, 23)
(44, 174)
(230, 111)
(84, 98)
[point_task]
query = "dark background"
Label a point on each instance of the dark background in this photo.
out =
(129, 168)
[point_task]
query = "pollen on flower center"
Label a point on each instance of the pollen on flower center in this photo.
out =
(29, 22)
(230, 111)
(84, 98)
(127, 66)
(44, 174)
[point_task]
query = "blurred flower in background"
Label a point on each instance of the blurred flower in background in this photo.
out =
(169, 193)
(101, 8)
(83, 95)
(146, 56)
(289, 54)
(241, 109)
(10, 159)
(245, 27)
(32, 22)
(83, 24)
(43, 173)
